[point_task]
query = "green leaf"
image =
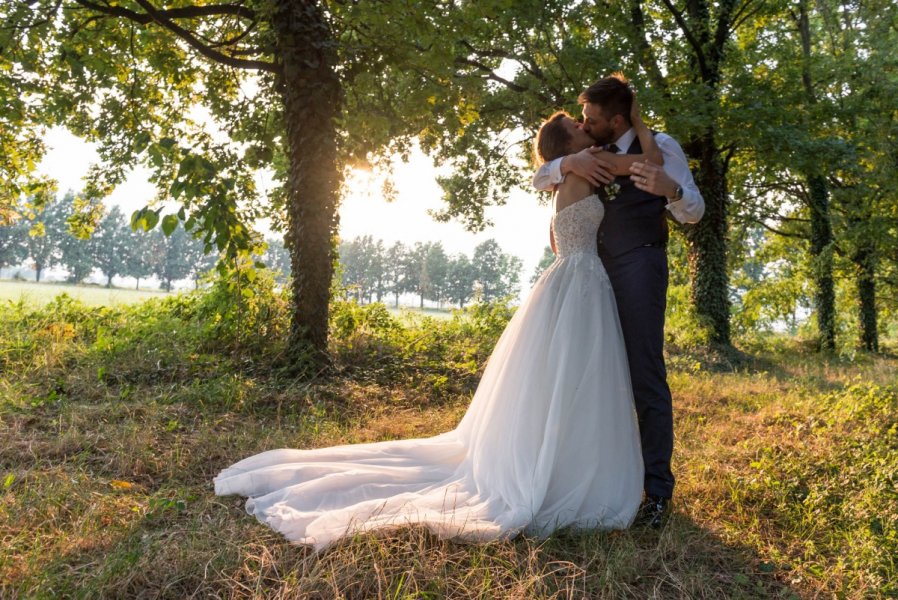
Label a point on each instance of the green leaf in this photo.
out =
(150, 219)
(177, 187)
(186, 166)
(137, 219)
(169, 223)
(155, 156)
(7, 483)
(141, 140)
(167, 142)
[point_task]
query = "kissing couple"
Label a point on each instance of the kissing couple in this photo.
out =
(572, 422)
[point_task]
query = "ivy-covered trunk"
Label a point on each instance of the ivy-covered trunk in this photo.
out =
(708, 242)
(821, 228)
(312, 98)
(865, 263)
(822, 261)
(707, 28)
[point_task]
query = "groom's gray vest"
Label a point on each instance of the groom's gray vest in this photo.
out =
(633, 218)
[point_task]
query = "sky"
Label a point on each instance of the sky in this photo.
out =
(521, 227)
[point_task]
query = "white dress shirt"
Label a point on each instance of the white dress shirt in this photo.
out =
(689, 209)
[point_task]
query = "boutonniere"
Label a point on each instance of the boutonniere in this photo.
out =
(611, 190)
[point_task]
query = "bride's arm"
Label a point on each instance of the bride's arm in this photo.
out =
(650, 150)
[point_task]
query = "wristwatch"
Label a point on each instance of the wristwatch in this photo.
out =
(678, 193)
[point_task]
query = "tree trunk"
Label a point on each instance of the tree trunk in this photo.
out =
(708, 242)
(109, 281)
(709, 34)
(37, 272)
(312, 100)
(821, 250)
(821, 228)
(137, 283)
(865, 261)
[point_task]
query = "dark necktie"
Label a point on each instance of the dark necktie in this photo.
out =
(612, 148)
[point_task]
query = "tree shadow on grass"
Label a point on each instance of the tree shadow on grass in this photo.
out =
(213, 549)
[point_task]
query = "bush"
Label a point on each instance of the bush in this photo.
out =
(444, 356)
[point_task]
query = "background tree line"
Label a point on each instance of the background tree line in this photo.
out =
(369, 271)
(46, 239)
(50, 238)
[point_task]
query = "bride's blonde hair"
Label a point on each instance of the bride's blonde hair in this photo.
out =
(552, 139)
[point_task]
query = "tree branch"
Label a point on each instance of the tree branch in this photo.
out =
(739, 18)
(186, 12)
(721, 33)
(527, 62)
(32, 25)
(644, 50)
(153, 15)
(690, 36)
(490, 74)
(777, 231)
(728, 151)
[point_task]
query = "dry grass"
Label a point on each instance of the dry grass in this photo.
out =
(105, 488)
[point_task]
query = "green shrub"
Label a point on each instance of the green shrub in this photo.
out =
(444, 356)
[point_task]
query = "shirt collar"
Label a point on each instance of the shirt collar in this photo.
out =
(624, 141)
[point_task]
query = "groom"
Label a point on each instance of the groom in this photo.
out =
(632, 245)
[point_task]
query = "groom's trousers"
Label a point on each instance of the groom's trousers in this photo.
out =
(639, 279)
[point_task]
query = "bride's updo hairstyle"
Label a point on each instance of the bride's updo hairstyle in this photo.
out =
(552, 140)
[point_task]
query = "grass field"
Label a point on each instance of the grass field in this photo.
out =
(38, 294)
(113, 426)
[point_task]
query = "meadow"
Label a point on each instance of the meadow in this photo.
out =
(38, 294)
(115, 419)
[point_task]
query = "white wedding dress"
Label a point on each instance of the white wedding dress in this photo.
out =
(549, 440)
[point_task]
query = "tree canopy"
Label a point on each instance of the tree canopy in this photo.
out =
(786, 110)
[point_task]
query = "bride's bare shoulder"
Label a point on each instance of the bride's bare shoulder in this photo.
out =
(572, 189)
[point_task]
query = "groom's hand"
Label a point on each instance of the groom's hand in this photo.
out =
(651, 178)
(589, 166)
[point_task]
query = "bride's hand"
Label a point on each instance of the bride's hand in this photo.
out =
(589, 165)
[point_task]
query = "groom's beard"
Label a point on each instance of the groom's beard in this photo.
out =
(604, 137)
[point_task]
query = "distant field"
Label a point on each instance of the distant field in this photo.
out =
(407, 312)
(39, 294)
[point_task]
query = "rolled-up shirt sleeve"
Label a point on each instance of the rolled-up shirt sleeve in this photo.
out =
(548, 175)
(691, 207)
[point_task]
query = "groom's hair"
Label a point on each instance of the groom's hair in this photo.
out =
(552, 140)
(613, 94)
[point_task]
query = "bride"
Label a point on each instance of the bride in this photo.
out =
(550, 438)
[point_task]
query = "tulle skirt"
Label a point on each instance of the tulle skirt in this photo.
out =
(549, 440)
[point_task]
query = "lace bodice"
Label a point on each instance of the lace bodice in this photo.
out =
(576, 224)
